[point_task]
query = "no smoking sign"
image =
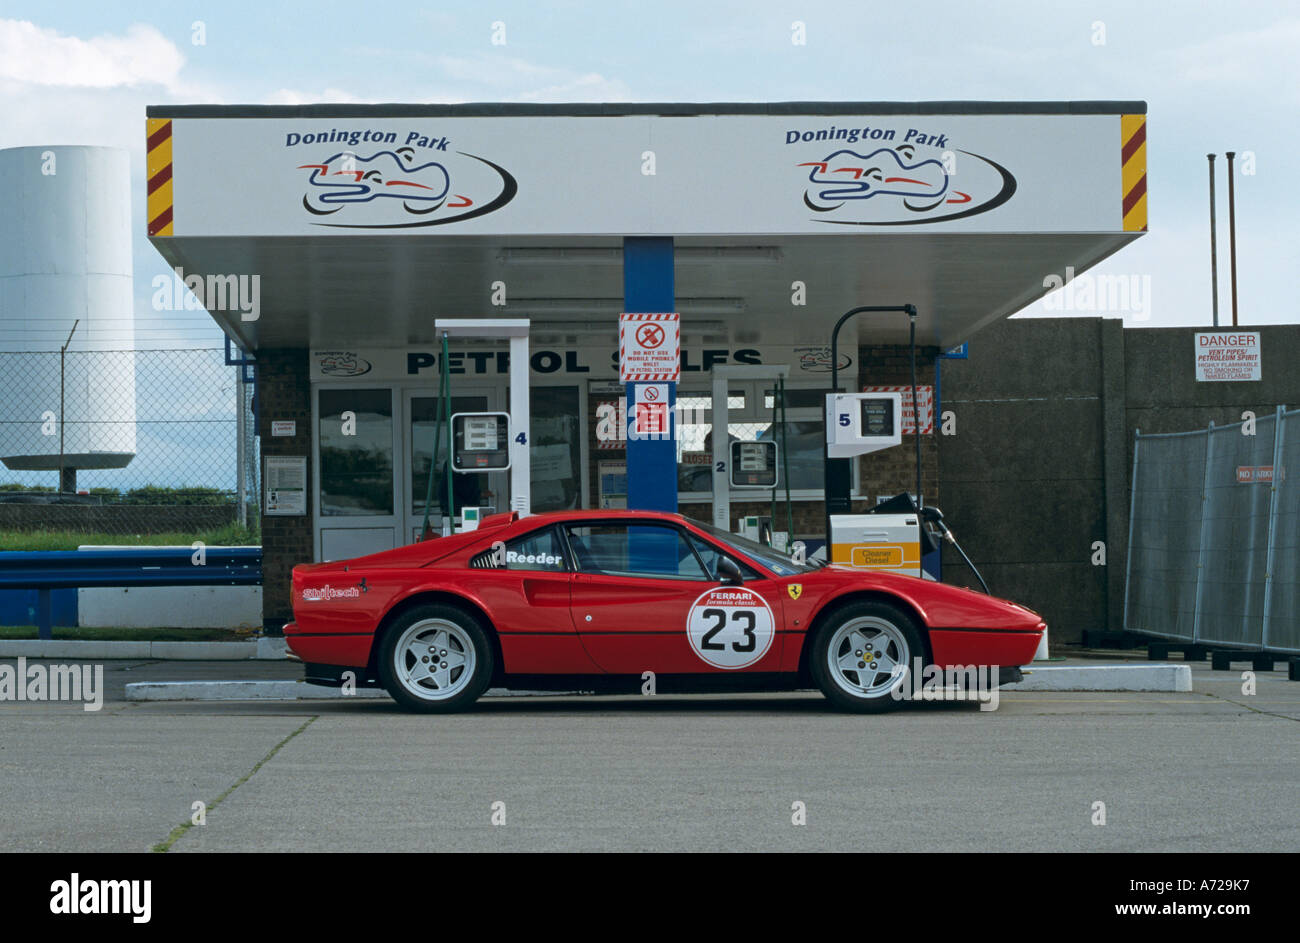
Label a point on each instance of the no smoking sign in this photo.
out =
(649, 348)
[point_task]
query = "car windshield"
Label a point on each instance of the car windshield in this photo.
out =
(773, 559)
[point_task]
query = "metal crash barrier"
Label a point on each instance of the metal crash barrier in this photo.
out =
(48, 570)
(1214, 536)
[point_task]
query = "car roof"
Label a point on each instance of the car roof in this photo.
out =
(609, 514)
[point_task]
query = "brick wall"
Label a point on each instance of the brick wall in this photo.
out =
(891, 471)
(284, 392)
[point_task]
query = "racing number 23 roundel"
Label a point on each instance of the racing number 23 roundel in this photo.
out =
(730, 627)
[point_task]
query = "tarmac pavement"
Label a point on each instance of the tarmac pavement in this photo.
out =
(1211, 770)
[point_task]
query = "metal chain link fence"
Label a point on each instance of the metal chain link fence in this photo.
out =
(1214, 536)
(125, 445)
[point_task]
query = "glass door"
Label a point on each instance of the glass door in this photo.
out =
(422, 411)
(356, 484)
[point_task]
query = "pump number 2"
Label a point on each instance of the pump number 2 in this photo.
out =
(730, 627)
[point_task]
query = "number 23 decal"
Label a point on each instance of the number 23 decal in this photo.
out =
(741, 615)
(730, 627)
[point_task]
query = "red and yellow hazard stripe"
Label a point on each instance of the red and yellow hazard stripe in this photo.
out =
(158, 171)
(1133, 171)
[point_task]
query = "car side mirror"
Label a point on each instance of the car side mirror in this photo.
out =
(729, 573)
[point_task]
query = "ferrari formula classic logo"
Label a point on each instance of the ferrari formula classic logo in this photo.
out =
(898, 176)
(795, 590)
(730, 627)
(386, 180)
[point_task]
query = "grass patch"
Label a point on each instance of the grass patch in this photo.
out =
(229, 535)
(121, 634)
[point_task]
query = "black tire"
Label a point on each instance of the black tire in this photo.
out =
(902, 645)
(424, 697)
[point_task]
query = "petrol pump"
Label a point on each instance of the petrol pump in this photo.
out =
(891, 537)
(479, 443)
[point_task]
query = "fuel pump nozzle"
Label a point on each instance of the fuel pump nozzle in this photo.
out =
(934, 517)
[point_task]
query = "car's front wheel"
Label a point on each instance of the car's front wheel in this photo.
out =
(435, 658)
(860, 653)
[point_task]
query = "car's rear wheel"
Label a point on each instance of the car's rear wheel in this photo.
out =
(860, 653)
(435, 659)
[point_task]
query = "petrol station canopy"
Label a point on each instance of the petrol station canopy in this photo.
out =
(367, 222)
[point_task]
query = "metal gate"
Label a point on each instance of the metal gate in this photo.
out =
(1214, 536)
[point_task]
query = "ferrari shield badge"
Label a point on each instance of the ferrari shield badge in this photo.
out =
(795, 590)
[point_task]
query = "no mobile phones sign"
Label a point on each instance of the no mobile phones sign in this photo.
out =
(649, 348)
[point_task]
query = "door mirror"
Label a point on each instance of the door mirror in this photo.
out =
(729, 572)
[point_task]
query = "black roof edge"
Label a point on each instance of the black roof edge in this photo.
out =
(667, 109)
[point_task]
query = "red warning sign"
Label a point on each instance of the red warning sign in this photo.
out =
(649, 348)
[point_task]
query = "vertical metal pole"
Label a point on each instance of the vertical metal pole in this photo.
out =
(1200, 550)
(721, 481)
(1232, 233)
(241, 448)
(44, 614)
(1279, 428)
(648, 288)
(1132, 515)
(1250, 555)
(1214, 250)
(63, 352)
(521, 474)
(916, 409)
(62, 356)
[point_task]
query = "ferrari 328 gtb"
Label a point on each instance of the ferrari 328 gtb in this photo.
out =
(592, 600)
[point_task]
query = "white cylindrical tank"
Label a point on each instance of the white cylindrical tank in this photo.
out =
(65, 256)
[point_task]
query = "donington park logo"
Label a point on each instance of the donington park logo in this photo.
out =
(891, 186)
(398, 189)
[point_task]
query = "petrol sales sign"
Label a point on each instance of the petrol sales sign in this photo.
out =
(1227, 355)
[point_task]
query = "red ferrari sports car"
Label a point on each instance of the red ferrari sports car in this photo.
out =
(593, 600)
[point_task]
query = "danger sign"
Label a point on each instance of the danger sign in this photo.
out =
(730, 627)
(649, 348)
(1227, 355)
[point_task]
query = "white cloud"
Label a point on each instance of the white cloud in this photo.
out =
(1263, 60)
(292, 96)
(512, 78)
(38, 56)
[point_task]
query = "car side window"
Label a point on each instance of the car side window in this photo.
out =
(656, 551)
(711, 556)
(540, 550)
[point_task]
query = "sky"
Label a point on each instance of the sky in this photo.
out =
(1216, 77)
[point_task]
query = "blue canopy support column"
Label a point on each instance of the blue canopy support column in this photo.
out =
(651, 461)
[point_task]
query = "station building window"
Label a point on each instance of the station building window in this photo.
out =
(750, 419)
(356, 452)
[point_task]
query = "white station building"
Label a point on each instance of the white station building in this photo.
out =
(329, 239)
